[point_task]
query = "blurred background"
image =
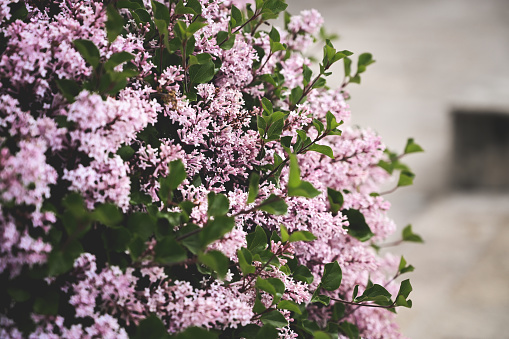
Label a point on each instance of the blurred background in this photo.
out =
(442, 77)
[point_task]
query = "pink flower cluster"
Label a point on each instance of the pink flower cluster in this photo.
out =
(51, 145)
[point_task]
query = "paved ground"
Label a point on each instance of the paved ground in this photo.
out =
(433, 56)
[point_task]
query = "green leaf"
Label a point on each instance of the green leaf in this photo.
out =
(88, 51)
(191, 242)
(267, 331)
(245, 260)
(405, 288)
(216, 261)
(274, 205)
(297, 187)
(195, 5)
(161, 12)
(376, 293)
(221, 36)
(289, 305)
(326, 150)
(403, 268)
(108, 214)
(169, 183)
(141, 224)
(199, 59)
(276, 46)
(328, 54)
(18, 11)
(142, 16)
(321, 335)
(177, 173)
(47, 304)
(114, 24)
(18, 294)
(187, 207)
(61, 261)
(126, 152)
(273, 286)
(305, 189)
(254, 182)
(262, 125)
(268, 78)
(409, 235)
(236, 17)
(151, 327)
(320, 298)
(117, 59)
(349, 330)
(194, 27)
(216, 229)
(336, 200)
(275, 130)
(117, 239)
(332, 276)
(194, 333)
(320, 82)
(257, 241)
(318, 125)
(338, 56)
(258, 306)
(284, 233)
(228, 43)
(306, 74)
(301, 236)
(136, 247)
(406, 178)
(218, 204)
(412, 147)
(364, 60)
(296, 95)
(388, 166)
(338, 311)
(272, 8)
(356, 79)
(302, 273)
(199, 74)
(168, 251)
(128, 4)
(69, 88)
(358, 228)
(274, 318)
(355, 292)
(332, 124)
(181, 9)
(274, 34)
(347, 66)
(401, 301)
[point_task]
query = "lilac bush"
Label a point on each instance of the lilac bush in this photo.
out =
(181, 169)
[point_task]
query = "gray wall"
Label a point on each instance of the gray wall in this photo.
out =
(433, 57)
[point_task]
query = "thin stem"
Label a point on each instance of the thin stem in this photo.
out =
(393, 305)
(390, 244)
(280, 251)
(256, 14)
(305, 92)
(184, 64)
(258, 315)
(389, 191)
(266, 202)
(265, 63)
(256, 26)
(198, 230)
(302, 150)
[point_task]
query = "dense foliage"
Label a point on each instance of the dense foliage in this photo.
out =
(181, 169)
